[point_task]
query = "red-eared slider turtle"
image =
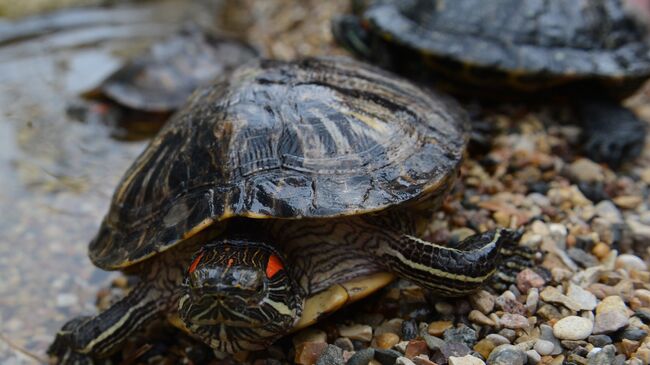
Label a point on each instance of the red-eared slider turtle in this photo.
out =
(271, 186)
(591, 49)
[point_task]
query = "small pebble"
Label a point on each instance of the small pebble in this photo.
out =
(607, 210)
(483, 301)
(332, 355)
(393, 325)
(480, 318)
(485, 347)
(462, 334)
(628, 201)
(603, 357)
(514, 321)
(544, 347)
(307, 353)
(630, 262)
(599, 340)
(409, 330)
(612, 303)
(404, 361)
(509, 334)
(362, 357)
(585, 170)
(573, 345)
(549, 312)
(386, 340)
(507, 355)
(359, 332)
(386, 357)
(444, 308)
(497, 339)
(532, 300)
(434, 343)
(644, 355)
(533, 357)
(581, 257)
(455, 349)
(527, 279)
(572, 328)
(465, 360)
(609, 322)
(415, 348)
(634, 334)
(553, 295)
(439, 327)
(584, 299)
(344, 343)
(423, 360)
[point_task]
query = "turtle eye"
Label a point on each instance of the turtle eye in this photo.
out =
(273, 266)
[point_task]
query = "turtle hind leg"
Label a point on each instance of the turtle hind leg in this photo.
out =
(89, 340)
(449, 271)
(611, 133)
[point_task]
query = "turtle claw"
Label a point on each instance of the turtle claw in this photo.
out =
(63, 349)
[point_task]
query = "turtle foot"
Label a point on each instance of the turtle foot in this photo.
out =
(611, 133)
(63, 349)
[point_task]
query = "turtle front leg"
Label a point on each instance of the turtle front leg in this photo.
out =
(611, 133)
(89, 340)
(449, 271)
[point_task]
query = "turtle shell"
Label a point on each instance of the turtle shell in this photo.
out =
(311, 138)
(164, 77)
(559, 40)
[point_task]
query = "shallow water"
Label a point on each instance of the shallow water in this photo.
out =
(57, 174)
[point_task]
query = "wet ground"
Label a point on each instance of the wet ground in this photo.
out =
(57, 173)
(58, 170)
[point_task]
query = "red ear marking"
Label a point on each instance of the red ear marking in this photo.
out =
(230, 262)
(196, 261)
(273, 266)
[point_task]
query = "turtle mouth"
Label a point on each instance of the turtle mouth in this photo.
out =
(215, 312)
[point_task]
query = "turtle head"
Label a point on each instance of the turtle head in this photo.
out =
(239, 296)
(350, 32)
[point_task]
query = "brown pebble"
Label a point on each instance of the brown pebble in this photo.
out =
(386, 340)
(484, 347)
(359, 332)
(628, 347)
(628, 201)
(415, 348)
(559, 360)
(307, 353)
(480, 318)
(643, 354)
(437, 328)
(483, 301)
(601, 250)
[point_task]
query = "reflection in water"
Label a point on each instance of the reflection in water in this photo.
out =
(57, 174)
